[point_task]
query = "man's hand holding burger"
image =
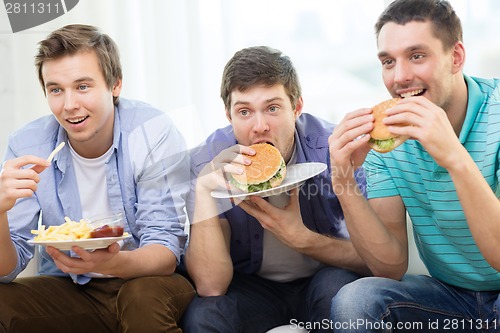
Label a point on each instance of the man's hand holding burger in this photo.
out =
(214, 175)
(429, 124)
(386, 126)
(348, 146)
(232, 160)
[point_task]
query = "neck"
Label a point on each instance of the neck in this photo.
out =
(457, 109)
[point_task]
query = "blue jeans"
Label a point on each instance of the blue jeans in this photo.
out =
(414, 304)
(253, 304)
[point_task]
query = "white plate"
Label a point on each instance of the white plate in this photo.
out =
(296, 175)
(87, 243)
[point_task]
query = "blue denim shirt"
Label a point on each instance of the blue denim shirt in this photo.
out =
(319, 206)
(147, 179)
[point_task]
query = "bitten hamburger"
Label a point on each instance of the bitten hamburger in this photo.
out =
(381, 139)
(267, 170)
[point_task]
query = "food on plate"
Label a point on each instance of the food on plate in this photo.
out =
(267, 170)
(69, 230)
(381, 139)
(72, 230)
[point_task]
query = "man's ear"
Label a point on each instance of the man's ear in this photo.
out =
(298, 107)
(117, 88)
(228, 116)
(458, 54)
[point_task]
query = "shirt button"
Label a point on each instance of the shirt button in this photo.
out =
(256, 236)
(437, 175)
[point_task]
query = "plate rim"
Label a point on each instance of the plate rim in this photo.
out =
(243, 195)
(81, 241)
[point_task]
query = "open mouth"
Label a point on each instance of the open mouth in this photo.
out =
(418, 92)
(77, 120)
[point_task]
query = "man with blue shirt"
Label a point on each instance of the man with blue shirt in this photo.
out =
(265, 263)
(446, 176)
(119, 157)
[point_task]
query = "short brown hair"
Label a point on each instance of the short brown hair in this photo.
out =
(75, 38)
(259, 65)
(446, 24)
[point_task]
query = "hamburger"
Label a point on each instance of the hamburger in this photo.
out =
(267, 170)
(381, 139)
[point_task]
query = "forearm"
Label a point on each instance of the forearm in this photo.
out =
(332, 252)
(481, 208)
(8, 254)
(153, 259)
(207, 257)
(382, 246)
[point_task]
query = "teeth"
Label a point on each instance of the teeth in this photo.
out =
(77, 120)
(412, 93)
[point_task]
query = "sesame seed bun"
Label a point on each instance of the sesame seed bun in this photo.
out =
(266, 162)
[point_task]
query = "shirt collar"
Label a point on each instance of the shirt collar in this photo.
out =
(474, 103)
(298, 151)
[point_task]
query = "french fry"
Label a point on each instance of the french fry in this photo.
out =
(55, 151)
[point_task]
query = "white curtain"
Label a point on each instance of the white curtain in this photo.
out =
(173, 53)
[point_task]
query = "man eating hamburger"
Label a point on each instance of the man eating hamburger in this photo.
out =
(289, 243)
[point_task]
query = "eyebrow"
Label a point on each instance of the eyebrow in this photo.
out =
(409, 49)
(267, 101)
(82, 79)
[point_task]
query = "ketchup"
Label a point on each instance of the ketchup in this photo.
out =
(106, 231)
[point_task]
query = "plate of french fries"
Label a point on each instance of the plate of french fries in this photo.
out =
(72, 233)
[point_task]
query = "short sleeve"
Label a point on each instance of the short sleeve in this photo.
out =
(379, 181)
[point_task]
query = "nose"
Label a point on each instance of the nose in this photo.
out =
(260, 124)
(70, 101)
(402, 72)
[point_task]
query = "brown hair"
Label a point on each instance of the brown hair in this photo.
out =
(259, 65)
(446, 24)
(75, 38)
